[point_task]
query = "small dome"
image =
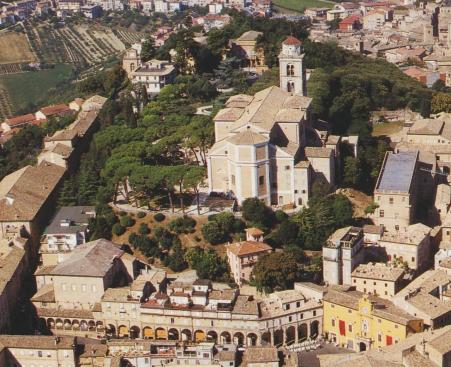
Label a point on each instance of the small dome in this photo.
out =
(292, 41)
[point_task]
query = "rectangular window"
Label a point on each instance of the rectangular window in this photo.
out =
(287, 168)
(63, 286)
(74, 287)
(83, 287)
(233, 179)
(261, 180)
(314, 313)
(94, 288)
(381, 213)
(390, 200)
(333, 322)
(39, 353)
(379, 337)
(350, 328)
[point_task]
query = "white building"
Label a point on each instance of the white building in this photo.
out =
(68, 229)
(154, 74)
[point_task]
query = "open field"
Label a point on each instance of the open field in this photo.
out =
(28, 87)
(14, 48)
(300, 5)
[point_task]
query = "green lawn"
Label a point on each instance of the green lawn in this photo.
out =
(32, 87)
(300, 5)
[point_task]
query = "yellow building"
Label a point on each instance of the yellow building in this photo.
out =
(358, 321)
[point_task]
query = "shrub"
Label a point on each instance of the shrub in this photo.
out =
(122, 213)
(212, 217)
(127, 221)
(118, 229)
(159, 217)
(182, 225)
(212, 233)
(143, 229)
(280, 215)
(132, 239)
(141, 214)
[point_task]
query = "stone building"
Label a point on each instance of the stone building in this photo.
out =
(245, 48)
(38, 350)
(342, 253)
(260, 142)
(361, 322)
(148, 308)
(14, 270)
(396, 191)
(428, 297)
(244, 255)
(68, 229)
(378, 279)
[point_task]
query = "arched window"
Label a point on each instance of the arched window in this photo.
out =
(132, 66)
(290, 70)
(290, 86)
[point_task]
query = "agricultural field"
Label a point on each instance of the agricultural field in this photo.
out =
(83, 46)
(301, 5)
(14, 48)
(25, 88)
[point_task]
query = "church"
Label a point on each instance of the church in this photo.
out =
(266, 145)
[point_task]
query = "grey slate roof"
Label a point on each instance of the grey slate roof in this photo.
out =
(77, 216)
(91, 259)
(397, 172)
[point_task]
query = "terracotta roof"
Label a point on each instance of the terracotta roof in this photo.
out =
(55, 109)
(253, 231)
(351, 19)
(291, 41)
(20, 120)
(248, 247)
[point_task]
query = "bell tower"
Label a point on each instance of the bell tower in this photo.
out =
(292, 72)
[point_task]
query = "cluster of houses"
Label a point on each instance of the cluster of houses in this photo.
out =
(12, 125)
(27, 199)
(415, 36)
(12, 12)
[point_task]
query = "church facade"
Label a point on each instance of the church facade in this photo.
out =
(261, 147)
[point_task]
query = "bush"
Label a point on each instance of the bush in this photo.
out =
(132, 239)
(122, 213)
(143, 229)
(127, 221)
(212, 217)
(159, 217)
(257, 213)
(280, 215)
(118, 229)
(141, 214)
(182, 225)
(212, 233)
